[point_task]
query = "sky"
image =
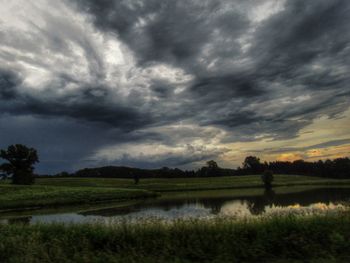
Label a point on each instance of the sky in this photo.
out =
(174, 83)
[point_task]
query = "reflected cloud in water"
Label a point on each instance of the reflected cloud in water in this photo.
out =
(268, 204)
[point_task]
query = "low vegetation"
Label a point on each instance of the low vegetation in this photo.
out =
(186, 184)
(18, 197)
(50, 192)
(278, 239)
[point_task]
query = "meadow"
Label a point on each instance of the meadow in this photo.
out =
(192, 184)
(278, 239)
(54, 192)
(15, 197)
(275, 238)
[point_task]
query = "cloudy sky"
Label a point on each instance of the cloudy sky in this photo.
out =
(174, 82)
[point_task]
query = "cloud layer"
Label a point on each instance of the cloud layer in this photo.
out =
(153, 83)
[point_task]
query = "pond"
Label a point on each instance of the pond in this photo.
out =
(208, 204)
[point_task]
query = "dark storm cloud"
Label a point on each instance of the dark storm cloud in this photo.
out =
(307, 44)
(63, 143)
(87, 104)
(8, 84)
(170, 31)
(303, 32)
(176, 32)
(286, 48)
(228, 86)
(252, 78)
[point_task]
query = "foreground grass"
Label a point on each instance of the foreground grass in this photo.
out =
(283, 239)
(17, 197)
(187, 184)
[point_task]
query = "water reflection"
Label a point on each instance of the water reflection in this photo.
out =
(258, 205)
(269, 202)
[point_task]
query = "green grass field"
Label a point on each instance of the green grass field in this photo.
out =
(17, 197)
(186, 184)
(53, 192)
(72, 191)
(280, 239)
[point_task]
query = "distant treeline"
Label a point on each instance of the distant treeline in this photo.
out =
(337, 168)
(128, 172)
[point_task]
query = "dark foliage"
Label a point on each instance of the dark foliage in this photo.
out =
(20, 163)
(211, 170)
(267, 178)
(253, 165)
(338, 168)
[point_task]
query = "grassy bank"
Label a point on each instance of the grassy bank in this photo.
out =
(245, 192)
(284, 239)
(187, 184)
(51, 192)
(36, 196)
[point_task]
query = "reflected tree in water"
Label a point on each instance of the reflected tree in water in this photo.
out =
(258, 204)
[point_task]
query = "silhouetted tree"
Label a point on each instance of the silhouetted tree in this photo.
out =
(20, 163)
(212, 164)
(252, 164)
(210, 170)
(267, 178)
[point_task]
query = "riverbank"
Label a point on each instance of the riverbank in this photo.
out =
(56, 192)
(14, 197)
(278, 239)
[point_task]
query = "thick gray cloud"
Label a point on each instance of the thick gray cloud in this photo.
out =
(125, 70)
(85, 104)
(170, 31)
(8, 83)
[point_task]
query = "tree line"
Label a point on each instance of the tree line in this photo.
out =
(338, 168)
(20, 160)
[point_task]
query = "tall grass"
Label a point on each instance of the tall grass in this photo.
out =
(278, 239)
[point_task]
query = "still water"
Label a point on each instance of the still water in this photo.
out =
(209, 205)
